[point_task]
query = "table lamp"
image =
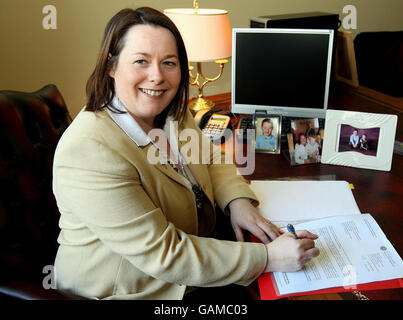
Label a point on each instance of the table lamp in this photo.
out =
(207, 36)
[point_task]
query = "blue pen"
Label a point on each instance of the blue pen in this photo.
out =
(291, 229)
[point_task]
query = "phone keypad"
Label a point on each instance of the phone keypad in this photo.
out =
(214, 129)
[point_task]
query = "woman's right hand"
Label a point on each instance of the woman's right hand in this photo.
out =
(286, 254)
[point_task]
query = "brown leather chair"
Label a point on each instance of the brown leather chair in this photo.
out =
(31, 124)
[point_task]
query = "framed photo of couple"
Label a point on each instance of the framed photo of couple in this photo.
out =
(305, 141)
(359, 139)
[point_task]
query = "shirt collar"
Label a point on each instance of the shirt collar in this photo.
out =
(127, 123)
(133, 130)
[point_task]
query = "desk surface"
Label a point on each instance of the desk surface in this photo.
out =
(376, 192)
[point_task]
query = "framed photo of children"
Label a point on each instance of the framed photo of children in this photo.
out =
(268, 133)
(359, 139)
(305, 141)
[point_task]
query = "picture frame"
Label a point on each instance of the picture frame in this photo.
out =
(305, 141)
(338, 149)
(345, 65)
(268, 133)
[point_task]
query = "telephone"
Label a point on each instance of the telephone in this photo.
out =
(244, 124)
(212, 122)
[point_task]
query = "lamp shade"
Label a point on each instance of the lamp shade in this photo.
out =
(206, 33)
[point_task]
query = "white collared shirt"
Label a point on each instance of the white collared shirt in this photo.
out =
(133, 130)
(127, 123)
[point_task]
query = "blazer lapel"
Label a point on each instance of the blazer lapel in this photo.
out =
(200, 173)
(161, 164)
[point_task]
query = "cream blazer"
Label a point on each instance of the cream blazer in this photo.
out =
(130, 229)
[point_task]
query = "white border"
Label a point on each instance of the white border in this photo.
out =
(383, 159)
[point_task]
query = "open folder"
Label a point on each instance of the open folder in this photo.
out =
(355, 253)
(268, 290)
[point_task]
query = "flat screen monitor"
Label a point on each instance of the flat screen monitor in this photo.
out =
(281, 71)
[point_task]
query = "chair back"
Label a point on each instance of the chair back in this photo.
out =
(31, 125)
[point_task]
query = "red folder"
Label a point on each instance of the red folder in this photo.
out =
(268, 291)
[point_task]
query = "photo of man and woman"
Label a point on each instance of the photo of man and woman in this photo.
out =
(364, 141)
(305, 141)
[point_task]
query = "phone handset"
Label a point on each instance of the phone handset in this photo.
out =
(202, 116)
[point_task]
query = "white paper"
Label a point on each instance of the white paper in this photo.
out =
(282, 201)
(353, 250)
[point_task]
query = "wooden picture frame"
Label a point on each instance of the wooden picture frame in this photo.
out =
(311, 151)
(345, 65)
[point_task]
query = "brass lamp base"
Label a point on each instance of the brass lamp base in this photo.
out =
(200, 103)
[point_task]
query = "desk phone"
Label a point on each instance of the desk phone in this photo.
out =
(216, 126)
(213, 122)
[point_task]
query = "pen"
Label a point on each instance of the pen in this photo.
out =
(291, 229)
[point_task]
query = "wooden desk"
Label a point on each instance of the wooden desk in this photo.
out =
(376, 192)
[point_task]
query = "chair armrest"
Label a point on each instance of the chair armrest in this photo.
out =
(29, 290)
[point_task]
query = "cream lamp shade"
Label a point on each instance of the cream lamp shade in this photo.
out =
(206, 33)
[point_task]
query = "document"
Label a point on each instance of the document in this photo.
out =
(353, 250)
(297, 201)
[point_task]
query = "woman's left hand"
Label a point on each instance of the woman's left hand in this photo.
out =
(244, 216)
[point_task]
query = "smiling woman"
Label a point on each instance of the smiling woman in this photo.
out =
(141, 51)
(147, 73)
(132, 229)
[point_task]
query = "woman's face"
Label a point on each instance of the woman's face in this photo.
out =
(147, 74)
(302, 139)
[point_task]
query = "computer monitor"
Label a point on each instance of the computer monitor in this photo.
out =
(281, 71)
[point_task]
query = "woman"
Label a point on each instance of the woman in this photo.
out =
(312, 149)
(133, 229)
(301, 154)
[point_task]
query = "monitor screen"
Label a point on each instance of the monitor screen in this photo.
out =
(281, 71)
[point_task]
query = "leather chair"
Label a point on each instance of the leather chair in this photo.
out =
(31, 125)
(379, 58)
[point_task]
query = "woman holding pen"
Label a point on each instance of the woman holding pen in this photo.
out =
(134, 229)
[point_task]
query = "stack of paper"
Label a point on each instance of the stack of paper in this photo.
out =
(354, 252)
(299, 201)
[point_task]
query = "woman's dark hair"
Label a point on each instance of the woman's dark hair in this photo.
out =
(299, 137)
(100, 86)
